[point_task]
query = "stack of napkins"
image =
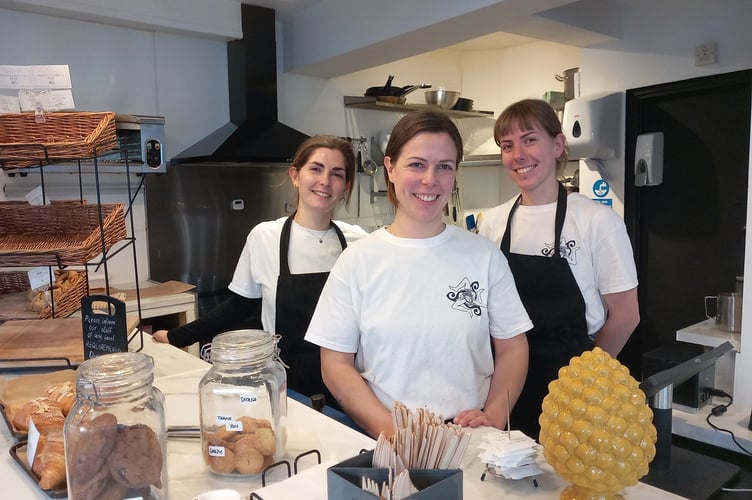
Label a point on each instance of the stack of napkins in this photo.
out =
(511, 455)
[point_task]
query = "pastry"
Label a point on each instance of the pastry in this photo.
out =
(64, 393)
(116, 491)
(44, 410)
(248, 460)
(83, 488)
(49, 461)
(223, 435)
(93, 445)
(136, 458)
(263, 439)
(222, 464)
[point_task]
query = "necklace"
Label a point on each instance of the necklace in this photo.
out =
(316, 234)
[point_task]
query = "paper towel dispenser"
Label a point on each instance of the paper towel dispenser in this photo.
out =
(592, 126)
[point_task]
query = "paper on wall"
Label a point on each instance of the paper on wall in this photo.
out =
(47, 76)
(39, 88)
(48, 100)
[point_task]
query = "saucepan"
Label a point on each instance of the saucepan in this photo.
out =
(387, 90)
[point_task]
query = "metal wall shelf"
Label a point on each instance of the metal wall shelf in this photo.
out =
(372, 104)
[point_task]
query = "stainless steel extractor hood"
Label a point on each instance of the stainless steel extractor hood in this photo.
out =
(254, 134)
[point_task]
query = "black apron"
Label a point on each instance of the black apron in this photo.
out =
(297, 296)
(555, 305)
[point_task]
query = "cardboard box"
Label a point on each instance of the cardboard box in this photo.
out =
(343, 480)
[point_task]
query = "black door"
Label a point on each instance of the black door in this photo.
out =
(688, 232)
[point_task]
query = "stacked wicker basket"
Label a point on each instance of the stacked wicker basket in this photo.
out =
(28, 140)
(58, 234)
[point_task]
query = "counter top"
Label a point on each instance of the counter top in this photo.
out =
(708, 334)
(177, 374)
(695, 426)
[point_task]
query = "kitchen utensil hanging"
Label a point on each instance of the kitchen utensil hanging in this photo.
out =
(369, 166)
(376, 154)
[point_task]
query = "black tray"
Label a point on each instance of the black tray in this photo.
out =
(18, 435)
(18, 452)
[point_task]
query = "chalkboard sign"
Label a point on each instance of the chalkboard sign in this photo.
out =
(104, 325)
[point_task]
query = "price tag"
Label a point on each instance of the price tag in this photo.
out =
(32, 440)
(39, 278)
(34, 197)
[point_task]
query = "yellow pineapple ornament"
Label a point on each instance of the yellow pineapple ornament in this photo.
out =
(596, 427)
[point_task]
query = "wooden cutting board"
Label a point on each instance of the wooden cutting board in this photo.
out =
(42, 338)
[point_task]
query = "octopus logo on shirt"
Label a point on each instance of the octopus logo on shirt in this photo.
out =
(568, 250)
(467, 296)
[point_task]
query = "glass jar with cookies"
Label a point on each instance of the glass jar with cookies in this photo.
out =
(115, 439)
(243, 400)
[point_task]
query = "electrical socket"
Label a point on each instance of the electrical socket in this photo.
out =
(705, 54)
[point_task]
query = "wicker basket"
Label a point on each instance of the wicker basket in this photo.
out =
(14, 300)
(62, 136)
(57, 235)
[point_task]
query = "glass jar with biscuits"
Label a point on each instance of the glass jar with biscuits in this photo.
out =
(243, 400)
(115, 439)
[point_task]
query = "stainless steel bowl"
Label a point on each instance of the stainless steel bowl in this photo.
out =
(445, 99)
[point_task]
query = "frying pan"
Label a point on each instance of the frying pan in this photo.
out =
(388, 90)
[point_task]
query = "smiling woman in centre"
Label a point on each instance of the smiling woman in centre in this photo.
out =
(411, 312)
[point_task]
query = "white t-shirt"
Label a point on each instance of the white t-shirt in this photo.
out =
(594, 241)
(258, 267)
(419, 314)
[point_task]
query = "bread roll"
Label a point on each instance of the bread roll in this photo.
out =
(63, 393)
(44, 410)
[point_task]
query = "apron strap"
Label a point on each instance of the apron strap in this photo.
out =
(561, 211)
(284, 243)
(507, 238)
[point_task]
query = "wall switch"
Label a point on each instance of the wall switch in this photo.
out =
(705, 54)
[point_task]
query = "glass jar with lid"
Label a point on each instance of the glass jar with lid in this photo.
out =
(115, 439)
(243, 400)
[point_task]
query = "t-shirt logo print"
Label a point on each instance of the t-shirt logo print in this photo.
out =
(567, 249)
(467, 296)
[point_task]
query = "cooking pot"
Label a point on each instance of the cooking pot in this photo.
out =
(569, 79)
(388, 90)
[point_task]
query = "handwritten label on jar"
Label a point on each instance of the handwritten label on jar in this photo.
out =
(224, 419)
(234, 426)
(216, 451)
(248, 399)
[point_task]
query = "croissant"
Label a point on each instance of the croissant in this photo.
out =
(49, 460)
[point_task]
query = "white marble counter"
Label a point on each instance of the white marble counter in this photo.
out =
(695, 426)
(708, 334)
(177, 374)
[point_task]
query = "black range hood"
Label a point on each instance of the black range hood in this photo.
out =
(253, 134)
